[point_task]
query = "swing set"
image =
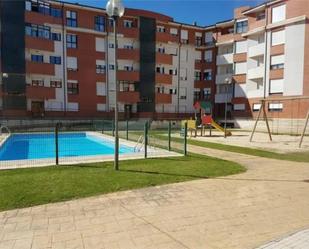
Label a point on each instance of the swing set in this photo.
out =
(262, 115)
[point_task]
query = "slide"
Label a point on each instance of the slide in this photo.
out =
(220, 128)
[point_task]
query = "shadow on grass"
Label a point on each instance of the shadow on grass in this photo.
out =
(162, 173)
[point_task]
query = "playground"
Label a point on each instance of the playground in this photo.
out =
(262, 135)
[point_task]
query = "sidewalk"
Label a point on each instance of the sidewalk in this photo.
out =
(241, 211)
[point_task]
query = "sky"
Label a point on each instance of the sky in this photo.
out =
(204, 12)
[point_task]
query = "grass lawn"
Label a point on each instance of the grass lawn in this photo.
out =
(296, 156)
(28, 187)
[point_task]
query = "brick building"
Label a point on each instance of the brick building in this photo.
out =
(57, 60)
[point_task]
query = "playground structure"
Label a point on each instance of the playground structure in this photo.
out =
(206, 120)
(262, 115)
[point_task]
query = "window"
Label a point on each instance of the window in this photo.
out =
(40, 31)
(128, 68)
(183, 74)
(160, 70)
(173, 91)
(161, 50)
(73, 106)
(198, 39)
(56, 83)
(256, 107)
(208, 56)
(72, 63)
(37, 58)
(197, 75)
(39, 82)
(278, 13)
(55, 60)
(111, 45)
(278, 37)
(160, 89)
(111, 22)
(126, 86)
(277, 62)
(55, 12)
(241, 27)
(239, 107)
(239, 90)
(100, 69)
(56, 36)
(101, 89)
(71, 17)
(275, 107)
(99, 23)
(160, 29)
(240, 67)
(173, 32)
(197, 94)
(184, 54)
(128, 46)
(208, 74)
(111, 67)
(183, 93)
(206, 93)
(71, 41)
(73, 87)
(173, 71)
(241, 47)
(184, 37)
(276, 86)
(99, 44)
(101, 107)
(127, 23)
(209, 39)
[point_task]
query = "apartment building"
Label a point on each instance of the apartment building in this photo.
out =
(57, 59)
(264, 51)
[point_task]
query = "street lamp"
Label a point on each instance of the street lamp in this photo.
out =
(228, 81)
(115, 10)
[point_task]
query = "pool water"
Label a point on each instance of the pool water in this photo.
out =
(36, 146)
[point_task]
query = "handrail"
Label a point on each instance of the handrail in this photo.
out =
(140, 141)
(4, 127)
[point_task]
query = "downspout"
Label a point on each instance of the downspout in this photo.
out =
(64, 63)
(266, 51)
(178, 73)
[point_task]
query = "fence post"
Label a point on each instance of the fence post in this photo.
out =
(169, 135)
(185, 139)
(57, 143)
(103, 127)
(127, 134)
(145, 139)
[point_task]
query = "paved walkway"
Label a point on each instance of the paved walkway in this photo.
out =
(241, 211)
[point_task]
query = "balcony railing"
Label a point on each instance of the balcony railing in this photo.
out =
(128, 54)
(128, 75)
(39, 44)
(41, 92)
(225, 59)
(162, 58)
(129, 97)
(40, 68)
(166, 37)
(164, 78)
(255, 73)
(163, 98)
(256, 50)
(220, 78)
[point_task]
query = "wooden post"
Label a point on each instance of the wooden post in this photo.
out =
(256, 122)
(266, 120)
(304, 131)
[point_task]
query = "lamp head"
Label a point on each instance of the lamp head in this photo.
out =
(115, 8)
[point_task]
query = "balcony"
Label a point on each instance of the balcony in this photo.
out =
(220, 78)
(225, 59)
(39, 43)
(225, 38)
(223, 97)
(41, 92)
(128, 32)
(164, 58)
(166, 37)
(39, 18)
(255, 73)
(163, 98)
(128, 75)
(256, 24)
(164, 78)
(40, 68)
(128, 97)
(256, 50)
(128, 54)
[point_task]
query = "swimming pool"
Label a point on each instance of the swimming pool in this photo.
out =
(41, 146)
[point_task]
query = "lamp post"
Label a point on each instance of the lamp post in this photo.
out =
(115, 10)
(228, 81)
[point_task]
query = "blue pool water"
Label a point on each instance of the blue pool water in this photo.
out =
(35, 146)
